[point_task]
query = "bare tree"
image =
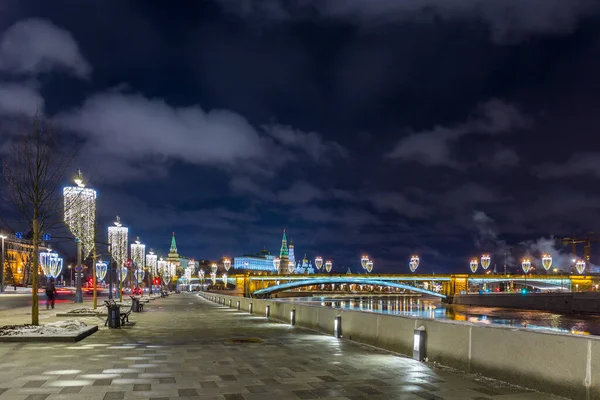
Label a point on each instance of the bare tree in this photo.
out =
(33, 171)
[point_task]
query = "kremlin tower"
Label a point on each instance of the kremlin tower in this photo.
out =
(292, 257)
(284, 256)
(173, 257)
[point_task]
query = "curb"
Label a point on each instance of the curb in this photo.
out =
(50, 339)
(81, 315)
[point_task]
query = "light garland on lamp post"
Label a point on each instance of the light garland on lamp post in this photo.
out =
(226, 264)
(162, 270)
(580, 266)
(328, 266)
(547, 261)
(151, 263)
(118, 238)
(318, 263)
(474, 264)
(80, 217)
(51, 263)
(276, 263)
(291, 267)
(138, 255)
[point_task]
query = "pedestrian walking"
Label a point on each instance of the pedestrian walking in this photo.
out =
(50, 293)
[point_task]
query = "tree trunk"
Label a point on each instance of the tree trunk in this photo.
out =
(35, 306)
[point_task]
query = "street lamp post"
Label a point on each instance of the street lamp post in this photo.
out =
(80, 217)
(2, 237)
(118, 238)
(151, 262)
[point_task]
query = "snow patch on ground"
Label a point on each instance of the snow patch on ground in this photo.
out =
(59, 328)
(99, 310)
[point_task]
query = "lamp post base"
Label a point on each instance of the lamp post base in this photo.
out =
(78, 296)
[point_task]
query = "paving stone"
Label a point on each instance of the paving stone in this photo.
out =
(178, 349)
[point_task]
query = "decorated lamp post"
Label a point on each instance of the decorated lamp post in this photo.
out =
(138, 256)
(51, 263)
(547, 261)
(364, 260)
(101, 270)
(291, 267)
(225, 280)
(151, 264)
(118, 240)
(318, 263)
(485, 261)
(80, 217)
(580, 266)
(276, 263)
(526, 266)
(414, 263)
(474, 264)
(162, 270)
(369, 266)
(226, 264)
(213, 273)
(201, 275)
(328, 266)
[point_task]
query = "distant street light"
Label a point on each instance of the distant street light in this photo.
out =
(414, 263)
(276, 263)
(226, 264)
(318, 262)
(2, 238)
(118, 237)
(474, 264)
(485, 261)
(547, 261)
(328, 266)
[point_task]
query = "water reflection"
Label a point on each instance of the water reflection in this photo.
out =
(433, 308)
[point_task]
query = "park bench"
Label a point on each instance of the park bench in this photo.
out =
(123, 316)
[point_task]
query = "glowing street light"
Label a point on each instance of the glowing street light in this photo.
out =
(547, 261)
(80, 217)
(51, 263)
(226, 263)
(225, 280)
(526, 265)
(369, 266)
(474, 264)
(214, 267)
(138, 255)
(276, 263)
(213, 278)
(318, 262)
(580, 266)
(364, 260)
(414, 263)
(118, 240)
(485, 261)
(291, 267)
(152, 264)
(101, 270)
(328, 266)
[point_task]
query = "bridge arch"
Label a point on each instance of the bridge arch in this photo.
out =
(338, 280)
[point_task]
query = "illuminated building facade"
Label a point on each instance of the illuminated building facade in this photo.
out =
(262, 261)
(291, 253)
(17, 261)
(305, 267)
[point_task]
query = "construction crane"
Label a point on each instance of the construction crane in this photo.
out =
(586, 239)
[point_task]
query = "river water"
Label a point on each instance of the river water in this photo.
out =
(433, 308)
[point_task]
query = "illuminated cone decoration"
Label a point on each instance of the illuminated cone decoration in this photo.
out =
(213, 277)
(225, 279)
(318, 262)
(124, 272)
(291, 267)
(547, 261)
(328, 266)
(580, 266)
(226, 263)
(485, 261)
(474, 265)
(369, 266)
(201, 274)
(414, 263)
(214, 268)
(526, 265)
(276, 263)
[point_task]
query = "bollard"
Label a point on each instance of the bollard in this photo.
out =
(250, 308)
(268, 312)
(293, 317)
(238, 305)
(229, 303)
(337, 326)
(419, 340)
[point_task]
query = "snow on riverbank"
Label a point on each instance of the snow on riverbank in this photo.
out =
(59, 328)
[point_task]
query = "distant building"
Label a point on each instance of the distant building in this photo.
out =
(18, 260)
(305, 267)
(291, 253)
(262, 261)
(284, 256)
(180, 262)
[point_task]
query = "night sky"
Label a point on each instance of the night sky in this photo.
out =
(445, 128)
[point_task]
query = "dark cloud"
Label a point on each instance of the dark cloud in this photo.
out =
(433, 147)
(35, 45)
(584, 163)
(509, 20)
(19, 99)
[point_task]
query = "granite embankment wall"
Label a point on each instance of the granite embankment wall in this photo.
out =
(561, 364)
(573, 302)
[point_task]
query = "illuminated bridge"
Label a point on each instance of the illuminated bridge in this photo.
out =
(436, 285)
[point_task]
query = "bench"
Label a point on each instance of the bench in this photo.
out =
(123, 316)
(140, 302)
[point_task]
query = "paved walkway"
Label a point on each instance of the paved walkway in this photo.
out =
(186, 347)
